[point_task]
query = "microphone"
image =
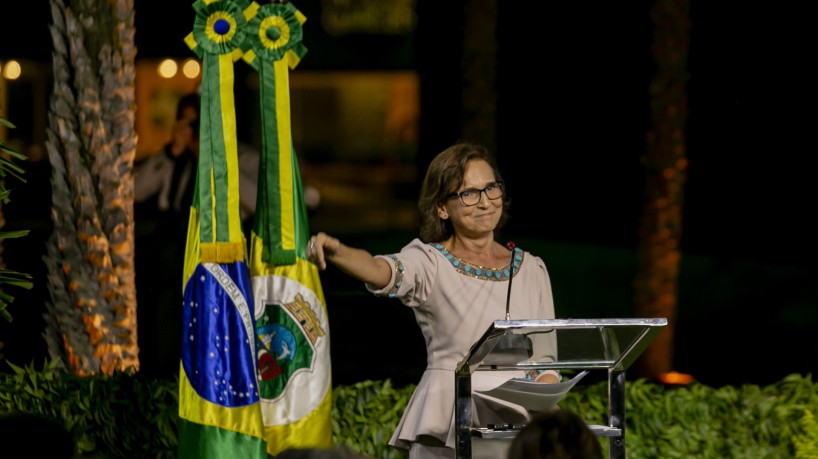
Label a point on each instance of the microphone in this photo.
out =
(510, 348)
(510, 246)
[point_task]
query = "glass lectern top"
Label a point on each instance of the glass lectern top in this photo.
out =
(562, 343)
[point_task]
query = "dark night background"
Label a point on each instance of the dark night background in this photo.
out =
(573, 111)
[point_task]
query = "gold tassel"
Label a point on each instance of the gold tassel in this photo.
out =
(222, 252)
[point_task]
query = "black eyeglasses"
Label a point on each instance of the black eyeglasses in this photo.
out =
(471, 196)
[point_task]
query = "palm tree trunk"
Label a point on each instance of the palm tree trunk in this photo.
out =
(91, 319)
(666, 164)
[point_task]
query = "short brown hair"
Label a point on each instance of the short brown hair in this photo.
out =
(556, 434)
(443, 177)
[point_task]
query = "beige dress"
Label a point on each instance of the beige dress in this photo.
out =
(454, 304)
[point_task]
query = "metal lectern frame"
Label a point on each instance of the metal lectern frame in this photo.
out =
(581, 344)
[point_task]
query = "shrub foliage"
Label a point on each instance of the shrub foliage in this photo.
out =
(127, 416)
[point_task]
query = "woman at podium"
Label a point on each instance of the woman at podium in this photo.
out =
(456, 279)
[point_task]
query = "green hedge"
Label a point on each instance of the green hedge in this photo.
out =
(128, 416)
(122, 416)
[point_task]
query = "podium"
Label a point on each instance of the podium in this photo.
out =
(554, 344)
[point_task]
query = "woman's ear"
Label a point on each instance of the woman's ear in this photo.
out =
(442, 213)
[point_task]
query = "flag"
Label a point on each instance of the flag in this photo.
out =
(291, 319)
(219, 398)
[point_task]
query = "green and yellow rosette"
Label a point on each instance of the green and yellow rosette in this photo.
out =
(275, 32)
(219, 31)
(273, 47)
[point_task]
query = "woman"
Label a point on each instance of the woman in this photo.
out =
(455, 278)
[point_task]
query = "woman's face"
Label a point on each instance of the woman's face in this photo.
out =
(478, 219)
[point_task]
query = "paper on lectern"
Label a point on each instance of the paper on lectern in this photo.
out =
(532, 395)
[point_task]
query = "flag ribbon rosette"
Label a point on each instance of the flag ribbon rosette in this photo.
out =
(219, 30)
(291, 319)
(219, 401)
(274, 46)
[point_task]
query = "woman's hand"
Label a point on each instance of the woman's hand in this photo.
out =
(322, 247)
(549, 378)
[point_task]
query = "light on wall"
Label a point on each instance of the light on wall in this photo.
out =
(12, 70)
(191, 68)
(167, 68)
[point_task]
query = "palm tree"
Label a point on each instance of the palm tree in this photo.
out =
(91, 316)
(666, 165)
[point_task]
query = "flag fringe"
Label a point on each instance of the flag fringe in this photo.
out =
(222, 252)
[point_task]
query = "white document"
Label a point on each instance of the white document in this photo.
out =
(532, 395)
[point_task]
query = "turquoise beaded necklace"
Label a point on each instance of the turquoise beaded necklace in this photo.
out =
(481, 272)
